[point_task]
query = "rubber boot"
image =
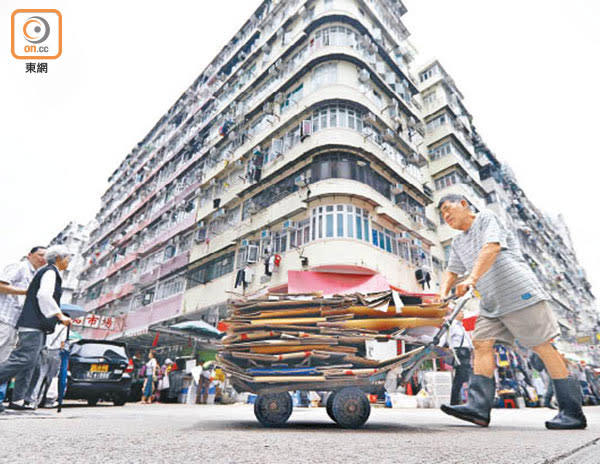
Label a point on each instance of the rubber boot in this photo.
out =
(570, 415)
(478, 406)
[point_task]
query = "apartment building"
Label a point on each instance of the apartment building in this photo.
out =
(310, 153)
(74, 236)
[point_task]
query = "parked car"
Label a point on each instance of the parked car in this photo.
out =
(99, 370)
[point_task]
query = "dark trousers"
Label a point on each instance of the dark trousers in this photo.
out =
(22, 361)
(462, 372)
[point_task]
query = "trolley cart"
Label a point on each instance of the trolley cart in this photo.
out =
(347, 404)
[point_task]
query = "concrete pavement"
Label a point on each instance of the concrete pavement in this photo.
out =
(230, 434)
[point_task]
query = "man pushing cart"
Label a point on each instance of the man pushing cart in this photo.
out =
(513, 306)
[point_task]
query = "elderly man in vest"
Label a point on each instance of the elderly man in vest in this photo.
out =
(14, 280)
(40, 314)
(513, 306)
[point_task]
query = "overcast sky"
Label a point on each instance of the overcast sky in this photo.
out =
(528, 70)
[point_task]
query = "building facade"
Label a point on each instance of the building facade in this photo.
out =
(312, 142)
(75, 237)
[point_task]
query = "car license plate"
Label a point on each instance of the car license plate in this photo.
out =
(99, 368)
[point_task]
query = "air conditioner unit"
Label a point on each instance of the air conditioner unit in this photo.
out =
(397, 188)
(201, 235)
(268, 108)
(279, 64)
(364, 76)
(272, 70)
(280, 32)
(370, 117)
(252, 256)
(279, 97)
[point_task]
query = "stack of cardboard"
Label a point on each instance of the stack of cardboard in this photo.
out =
(288, 338)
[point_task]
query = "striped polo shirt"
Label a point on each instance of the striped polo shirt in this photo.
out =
(510, 284)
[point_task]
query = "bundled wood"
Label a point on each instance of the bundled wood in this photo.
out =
(306, 339)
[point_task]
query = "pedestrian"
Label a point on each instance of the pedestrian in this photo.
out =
(459, 341)
(42, 386)
(41, 312)
(513, 306)
(14, 281)
(150, 375)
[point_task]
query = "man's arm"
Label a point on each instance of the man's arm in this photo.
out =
(8, 289)
(448, 281)
(487, 256)
(47, 304)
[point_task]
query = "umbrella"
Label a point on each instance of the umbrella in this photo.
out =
(198, 327)
(72, 311)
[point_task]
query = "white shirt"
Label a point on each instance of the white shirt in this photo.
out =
(150, 366)
(47, 303)
(457, 337)
(59, 335)
(18, 275)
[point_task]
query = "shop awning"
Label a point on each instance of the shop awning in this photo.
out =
(331, 283)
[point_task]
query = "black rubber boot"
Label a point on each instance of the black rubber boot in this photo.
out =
(479, 403)
(570, 415)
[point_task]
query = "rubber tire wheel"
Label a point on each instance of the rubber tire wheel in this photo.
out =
(350, 408)
(120, 400)
(273, 409)
(92, 401)
(329, 405)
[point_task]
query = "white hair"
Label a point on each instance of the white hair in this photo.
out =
(55, 252)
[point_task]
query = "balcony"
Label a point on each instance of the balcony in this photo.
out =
(156, 311)
(452, 159)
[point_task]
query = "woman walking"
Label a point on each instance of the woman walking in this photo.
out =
(150, 376)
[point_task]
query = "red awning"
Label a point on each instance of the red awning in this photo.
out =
(331, 283)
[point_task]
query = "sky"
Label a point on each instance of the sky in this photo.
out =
(528, 71)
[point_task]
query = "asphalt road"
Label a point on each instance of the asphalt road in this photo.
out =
(161, 433)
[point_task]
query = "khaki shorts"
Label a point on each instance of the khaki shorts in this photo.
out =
(531, 326)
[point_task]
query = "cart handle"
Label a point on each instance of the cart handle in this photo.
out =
(460, 303)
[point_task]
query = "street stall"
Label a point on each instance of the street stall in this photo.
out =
(285, 342)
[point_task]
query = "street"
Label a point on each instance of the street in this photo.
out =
(230, 434)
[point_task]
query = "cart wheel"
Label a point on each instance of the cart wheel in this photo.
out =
(273, 409)
(329, 405)
(350, 408)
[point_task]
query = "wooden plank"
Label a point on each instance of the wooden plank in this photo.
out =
(385, 324)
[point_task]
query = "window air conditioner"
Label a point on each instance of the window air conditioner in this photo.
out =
(364, 76)
(370, 118)
(278, 98)
(305, 129)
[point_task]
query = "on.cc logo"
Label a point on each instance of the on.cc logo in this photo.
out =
(36, 29)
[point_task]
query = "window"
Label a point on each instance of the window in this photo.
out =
(170, 287)
(325, 74)
(440, 151)
(447, 180)
(210, 270)
(437, 122)
(292, 98)
(327, 166)
(428, 73)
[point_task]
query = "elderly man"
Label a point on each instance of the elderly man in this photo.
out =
(40, 314)
(513, 306)
(14, 281)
